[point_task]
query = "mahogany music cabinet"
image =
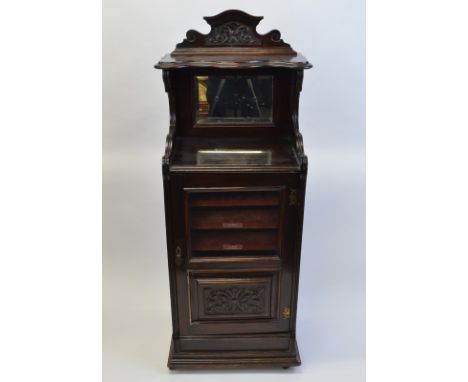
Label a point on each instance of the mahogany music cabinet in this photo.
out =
(234, 173)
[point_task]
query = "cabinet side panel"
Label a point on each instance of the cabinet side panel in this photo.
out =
(169, 242)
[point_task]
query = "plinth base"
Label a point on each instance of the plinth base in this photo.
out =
(233, 360)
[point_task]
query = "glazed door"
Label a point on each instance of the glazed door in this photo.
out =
(234, 252)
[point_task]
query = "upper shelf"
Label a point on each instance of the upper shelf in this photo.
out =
(227, 154)
(233, 42)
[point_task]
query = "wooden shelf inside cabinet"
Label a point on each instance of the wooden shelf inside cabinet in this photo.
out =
(262, 240)
(228, 218)
(234, 172)
(240, 198)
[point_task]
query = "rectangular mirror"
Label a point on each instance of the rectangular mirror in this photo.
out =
(242, 99)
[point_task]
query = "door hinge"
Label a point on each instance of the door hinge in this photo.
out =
(293, 197)
(178, 256)
(286, 313)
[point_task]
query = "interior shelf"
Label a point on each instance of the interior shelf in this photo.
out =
(235, 199)
(264, 240)
(227, 218)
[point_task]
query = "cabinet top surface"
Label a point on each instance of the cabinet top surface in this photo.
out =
(233, 42)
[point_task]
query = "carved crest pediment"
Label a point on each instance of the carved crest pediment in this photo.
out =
(234, 28)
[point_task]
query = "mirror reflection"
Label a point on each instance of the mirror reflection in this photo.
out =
(234, 99)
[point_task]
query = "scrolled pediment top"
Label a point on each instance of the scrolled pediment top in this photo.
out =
(234, 28)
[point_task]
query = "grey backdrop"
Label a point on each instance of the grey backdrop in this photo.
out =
(136, 308)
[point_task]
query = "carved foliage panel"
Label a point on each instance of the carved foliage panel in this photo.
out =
(234, 300)
(231, 34)
(229, 298)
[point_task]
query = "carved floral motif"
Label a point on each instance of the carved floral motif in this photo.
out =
(234, 300)
(232, 33)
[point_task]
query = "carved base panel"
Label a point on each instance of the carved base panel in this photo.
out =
(234, 360)
(216, 298)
